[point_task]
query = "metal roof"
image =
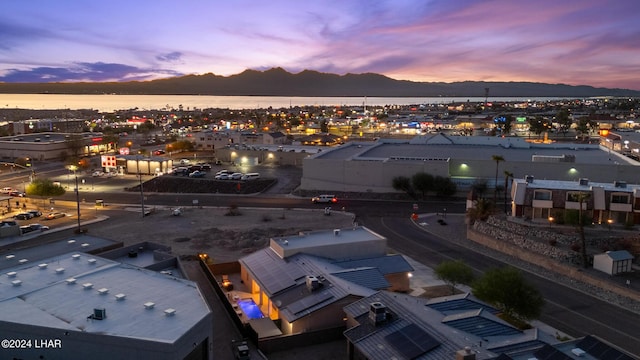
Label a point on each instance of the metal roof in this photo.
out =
(367, 277)
(63, 291)
(389, 264)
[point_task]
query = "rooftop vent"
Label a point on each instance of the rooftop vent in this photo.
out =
(377, 312)
(42, 266)
(87, 286)
(336, 232)
(9, 257)
(120, 297)
(584, 182)
(91, 261)
(170, 312)
(59, 270)
(133, 254)
(103, 291)
(76, 256)
(620, 184)
(16, 282)
(528, 178)
(22, 261)
(71, 241)
(149, 305)
(84, 245)
(71, 281)
(99, 314)
(465, 354)
(12, 274)
(312, 283)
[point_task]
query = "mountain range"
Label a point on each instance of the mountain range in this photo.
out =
(279, 82)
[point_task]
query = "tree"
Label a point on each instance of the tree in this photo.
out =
(538, 125)
(75, 143)
(454, 273)
(443, 186)
(497, 159)
(584, 126)
(507, 290)
(564, 121)
(402, 183)
(481, 210)
(44, 188)
(422, 182)
(582, 197)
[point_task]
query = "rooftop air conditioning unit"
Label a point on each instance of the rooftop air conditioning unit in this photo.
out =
(377, 312)
(170, 312)
(620, 184)
(578, 352)
(149, 305)
(312, 283)
(528, 178)
(99, 314)
(584, 182)
(336, 232)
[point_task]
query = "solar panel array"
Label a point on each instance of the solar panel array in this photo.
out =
(480, 326)
(411, 341)
(308, 302)
(274, 275)
(600, 350)
(548, 352)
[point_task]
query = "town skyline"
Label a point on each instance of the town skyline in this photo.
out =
(575, 43)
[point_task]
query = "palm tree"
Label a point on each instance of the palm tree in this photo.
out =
(507, 176)
(497, 159)
(582, 198)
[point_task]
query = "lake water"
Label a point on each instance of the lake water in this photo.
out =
(110, 103)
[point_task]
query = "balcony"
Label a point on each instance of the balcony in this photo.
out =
(544, 204)
(574, 205)
(620, 207)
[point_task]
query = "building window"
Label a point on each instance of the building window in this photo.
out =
(542, 195)
(620, 198)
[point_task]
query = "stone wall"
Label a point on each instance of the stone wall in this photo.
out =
(511, 238)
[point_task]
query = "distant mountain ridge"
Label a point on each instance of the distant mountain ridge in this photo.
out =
(279, 82)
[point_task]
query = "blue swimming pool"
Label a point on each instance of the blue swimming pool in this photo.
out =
(250, 309)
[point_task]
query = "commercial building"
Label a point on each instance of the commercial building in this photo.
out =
(69, 304)
(51, 145)
(371, 167)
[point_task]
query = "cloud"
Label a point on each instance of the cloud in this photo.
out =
(170, 57)
(89, 72)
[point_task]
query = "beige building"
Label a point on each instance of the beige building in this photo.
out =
(51, 145)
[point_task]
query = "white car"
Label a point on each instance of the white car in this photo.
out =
(222, 177)
(97, 173)
(235, 176)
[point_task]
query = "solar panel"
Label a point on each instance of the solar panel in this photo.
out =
(306, 303)
(411, 341)
(548, 352)
(600, 350)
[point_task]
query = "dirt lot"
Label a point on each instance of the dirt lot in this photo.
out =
(223, 236)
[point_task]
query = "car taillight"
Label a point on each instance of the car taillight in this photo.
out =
(334, 200)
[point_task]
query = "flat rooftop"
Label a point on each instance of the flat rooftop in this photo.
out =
(357, 234)
(472, 149)
(63, 292)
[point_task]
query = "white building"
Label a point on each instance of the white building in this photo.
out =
(80, 306)
(613, 262)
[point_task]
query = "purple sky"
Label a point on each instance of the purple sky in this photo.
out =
(576, 42)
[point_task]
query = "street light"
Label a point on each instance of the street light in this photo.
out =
(550, 220)
(74, 168)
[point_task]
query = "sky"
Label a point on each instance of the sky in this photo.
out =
(575, 42)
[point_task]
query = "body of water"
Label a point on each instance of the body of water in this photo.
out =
(110, 103)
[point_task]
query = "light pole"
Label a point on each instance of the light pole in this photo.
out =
(77, 189)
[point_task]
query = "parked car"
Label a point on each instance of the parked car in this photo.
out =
(24, 229)
(6, 190)
(250, 176)
(205, 167)
(54, 215)
(97, 173)
(235, 176)
(17, 193)
(35, 213)
(185, 161)
(223, 176)
(159, 152)
(197, 174)
(23, 216)
(227, 172)
(38, 227)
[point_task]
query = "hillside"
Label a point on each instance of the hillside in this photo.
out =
(278, 82)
